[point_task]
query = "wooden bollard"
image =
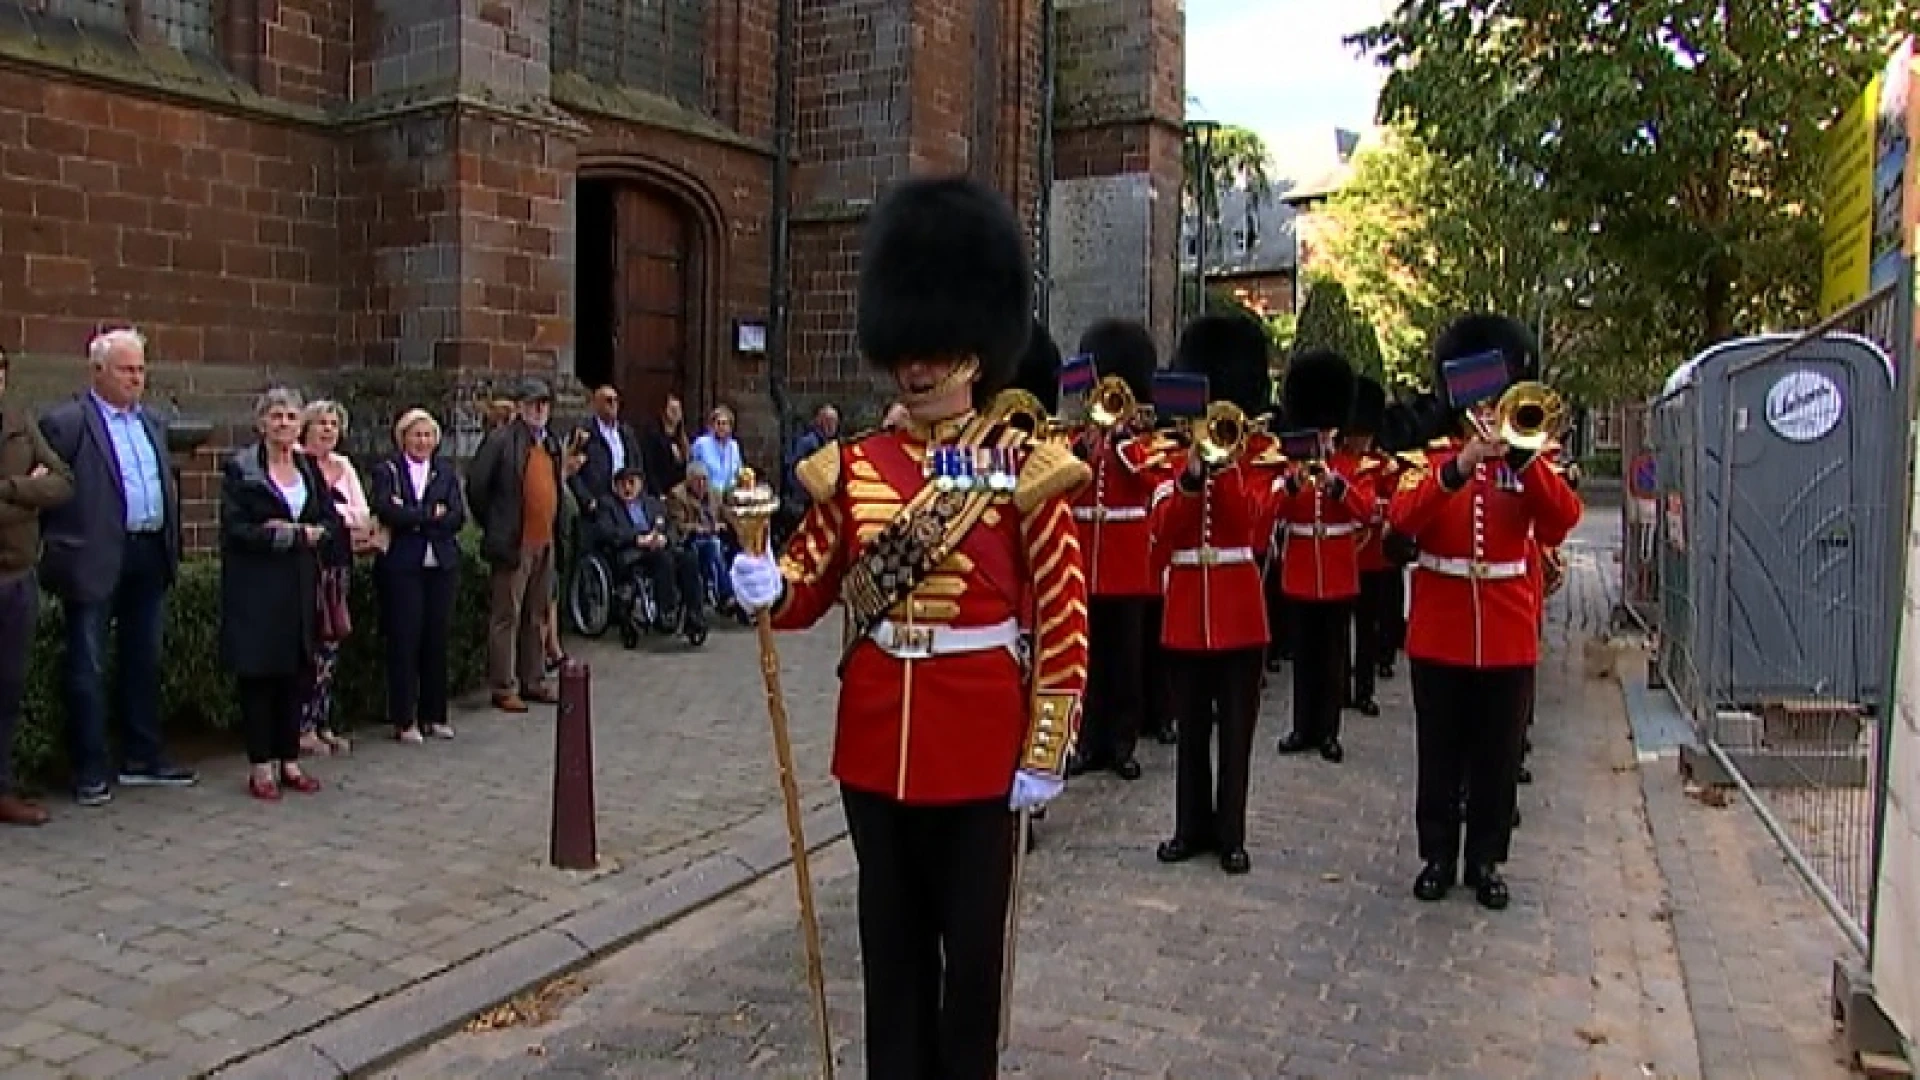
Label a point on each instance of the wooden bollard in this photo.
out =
(575, 846)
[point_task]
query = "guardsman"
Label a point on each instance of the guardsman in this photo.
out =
(934, 538)
(1473, 638)
(1111, 512)
(1372, 625)
(1403, 438)
(1324, 500)
(1214, 627)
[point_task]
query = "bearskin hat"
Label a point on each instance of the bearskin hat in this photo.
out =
(1124, 348)
(1431, 419)
(1471, 335)
(944, 272)
(1231, 351)
(1318, 392)
(1369, 408)
(1399, 428)
(1038, 372)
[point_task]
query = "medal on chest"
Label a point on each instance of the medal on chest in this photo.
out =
(968, 469)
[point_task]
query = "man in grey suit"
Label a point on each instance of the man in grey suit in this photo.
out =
(110, 556)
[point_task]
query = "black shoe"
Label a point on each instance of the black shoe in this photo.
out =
(1295, 743)
(1082, 764)
(1526, 775)
(1516, 817)
(1526, 744)
(1275, 664)
(1127, 770)
(630, 636)
(1434, 882)
(1385, 670)
(1235, 861)
(1166, 736)
(1333, 751)
(1489, 888)
(1366, 707)
(1179, 850)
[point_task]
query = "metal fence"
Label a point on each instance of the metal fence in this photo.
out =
(1773, 617)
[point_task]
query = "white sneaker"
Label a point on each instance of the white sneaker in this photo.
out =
(441, 731)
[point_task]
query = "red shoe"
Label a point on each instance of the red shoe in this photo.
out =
(264, 790)
(300, 782)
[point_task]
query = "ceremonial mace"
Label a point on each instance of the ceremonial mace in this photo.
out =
(753, 506)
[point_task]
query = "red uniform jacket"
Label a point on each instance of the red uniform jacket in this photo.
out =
(1111, 513)
(1263, 458)
(1384, 472)
(1475, 601)
(1203, 549)
(952, 726)
(1319, 556)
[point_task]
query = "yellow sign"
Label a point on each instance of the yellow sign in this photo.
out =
(1847, 239)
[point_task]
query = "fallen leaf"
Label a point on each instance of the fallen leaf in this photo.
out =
(1331, 878)
(1590, 1036)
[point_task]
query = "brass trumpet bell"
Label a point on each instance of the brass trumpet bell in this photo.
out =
(1220, 436)
(1021, 410)
(1112, 403)
(1529, 416)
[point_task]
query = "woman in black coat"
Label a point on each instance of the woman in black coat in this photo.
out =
(276, 517)
(416, 495)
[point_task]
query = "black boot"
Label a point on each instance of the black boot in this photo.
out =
(1333, 751)
(1526, 775)
(1385, 670)
(1166, 736)
(1365, 706)
(1180, 849)
(1434, 882)
(1235, 861)
(1489, 888)
(1128, 769)
(1295, 743)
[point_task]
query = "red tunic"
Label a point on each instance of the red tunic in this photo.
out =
(1264, 458)
(1111, 514)
(1475, 601)
(1384, 472)
(1203, 549)
(1319, 559)
(952, 726)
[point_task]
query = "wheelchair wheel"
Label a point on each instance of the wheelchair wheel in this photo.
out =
(590, 597)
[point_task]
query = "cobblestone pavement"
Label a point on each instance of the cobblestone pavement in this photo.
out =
(172, 931)
(1318, 964)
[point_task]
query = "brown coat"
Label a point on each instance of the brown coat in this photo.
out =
(687, 512)
(22, 494)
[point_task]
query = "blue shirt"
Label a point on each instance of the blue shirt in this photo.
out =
(637, 513)
(721, 459)
(139, 463)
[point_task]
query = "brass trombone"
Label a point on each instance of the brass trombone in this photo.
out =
(1220, 435)
(1527, 417)
(1112, 403)
(1020, 409)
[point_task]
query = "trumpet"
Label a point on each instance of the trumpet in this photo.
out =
(1020, 409)
(1220, 435)
(1527, 417)
(1112, 403)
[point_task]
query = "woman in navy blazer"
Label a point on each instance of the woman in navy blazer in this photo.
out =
(416, 495)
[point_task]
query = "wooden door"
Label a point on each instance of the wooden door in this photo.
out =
(652, 325)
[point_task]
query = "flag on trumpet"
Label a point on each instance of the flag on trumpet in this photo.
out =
(1077, 378)
(1472, 380)
(1179, 395)
(1304, 445)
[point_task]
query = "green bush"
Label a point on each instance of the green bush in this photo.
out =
(196, 693)
(1602, 463)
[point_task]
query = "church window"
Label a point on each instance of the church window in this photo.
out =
(658, 46)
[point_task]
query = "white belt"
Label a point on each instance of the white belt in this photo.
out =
(1323, 529)
(1109, 513)
(1468, 568)
(1212, 556)
(925, 642)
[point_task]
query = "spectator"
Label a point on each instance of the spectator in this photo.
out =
(416, 494)
(277, 517)
(636, 529)
(32, 479)
(896, 416)
(793, 495)
(696, 515)
(514, 487)
(111, 553)
(718, 450)
(665, 450)
(610, 447)
(322, 425)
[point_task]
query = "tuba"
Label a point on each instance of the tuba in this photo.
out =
(1220, 435)
(1112, 403)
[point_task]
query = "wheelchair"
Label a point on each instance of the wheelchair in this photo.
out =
(592, 596)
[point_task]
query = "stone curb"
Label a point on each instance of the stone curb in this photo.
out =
(381, 1031)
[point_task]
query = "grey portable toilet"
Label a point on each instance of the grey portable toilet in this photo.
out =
(1777, 460)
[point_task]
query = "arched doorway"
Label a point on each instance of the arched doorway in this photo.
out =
(639, 320)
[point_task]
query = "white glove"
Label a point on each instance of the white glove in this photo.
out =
(1033, 790)
(756, 581)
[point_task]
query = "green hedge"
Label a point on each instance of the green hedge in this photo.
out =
(196, 693)
(1602, 463)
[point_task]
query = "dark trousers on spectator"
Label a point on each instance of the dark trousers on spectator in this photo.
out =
(1320, 657)
(416, 610)
(673, 571)
(1116, 679)
(270, 716)
(137, 611)
(934, 888)
(19, 611)
(1468, 726)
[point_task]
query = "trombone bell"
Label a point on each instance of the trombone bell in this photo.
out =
(1529, 415)
(1112, 402)
(1220, 436)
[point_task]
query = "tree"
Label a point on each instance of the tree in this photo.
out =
(1681, 137)
(1329, 321)
(1237, 160)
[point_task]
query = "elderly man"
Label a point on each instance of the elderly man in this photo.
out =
(32, 479)
(110, 556)
(610, 446)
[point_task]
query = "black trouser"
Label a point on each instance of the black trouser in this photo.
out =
(1117, 686)
(19, 611)
(1280, 644)
(416, 610)
(1320, 654)
(674, 572)
(1372, 631)
(1394, 618)
(1217, 691)
(1163, 705)
(934, 888)
(1468, 722)
(270, 717)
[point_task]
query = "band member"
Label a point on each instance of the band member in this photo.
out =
(933, 537)
(1111, 513)
(1372, 624)
(1402, 438)
(1473, 639)
(1323, 503)
(1214, 628)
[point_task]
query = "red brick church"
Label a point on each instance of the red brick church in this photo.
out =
(334, 192)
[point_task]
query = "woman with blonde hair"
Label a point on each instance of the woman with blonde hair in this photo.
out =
(322, 425)
(718, 450)
(416, 495)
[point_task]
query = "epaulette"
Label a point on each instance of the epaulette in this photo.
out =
(1050, 471)
(819, 472)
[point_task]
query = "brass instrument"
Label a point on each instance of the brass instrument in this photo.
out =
(1020, 409)
(1220, 435)
(1112, 403)
(1527, 417)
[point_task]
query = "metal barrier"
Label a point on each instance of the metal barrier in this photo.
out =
(1639, 518)
(1771, 615)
